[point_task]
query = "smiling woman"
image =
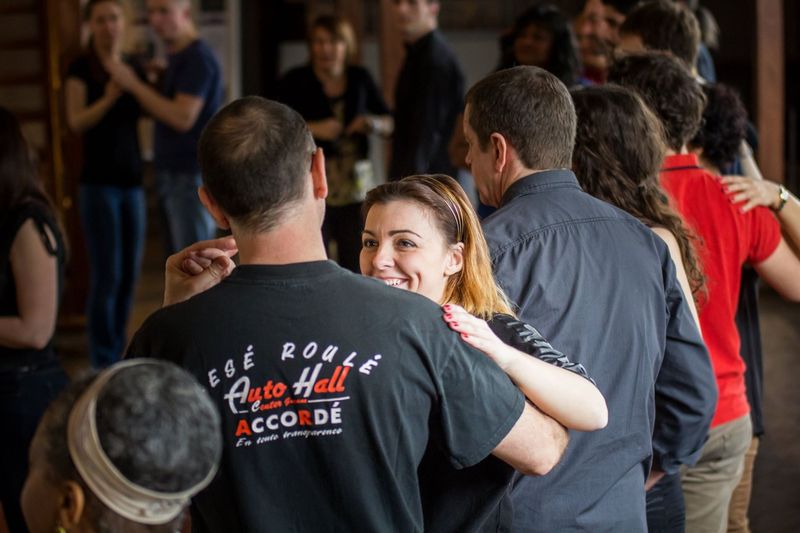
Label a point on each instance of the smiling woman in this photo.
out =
(422, 235)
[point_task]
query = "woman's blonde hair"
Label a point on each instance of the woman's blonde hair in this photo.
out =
(474, 287)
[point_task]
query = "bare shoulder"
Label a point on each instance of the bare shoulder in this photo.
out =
(669, 238)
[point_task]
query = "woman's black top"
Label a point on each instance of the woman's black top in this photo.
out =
(111, 154)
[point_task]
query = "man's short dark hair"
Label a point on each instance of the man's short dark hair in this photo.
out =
(667, 86)
(532, 109)
(666, 26)
(254, 155)
(724, 126)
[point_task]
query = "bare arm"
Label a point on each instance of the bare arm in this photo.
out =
(570, 399)
(782, 269)
(35, 275)
(534, 445)
(180, 113)
(680, 271)
(327, 129)
(382, 125)
(81, 117)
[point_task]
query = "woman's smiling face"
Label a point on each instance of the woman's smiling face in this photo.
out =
(403, 246)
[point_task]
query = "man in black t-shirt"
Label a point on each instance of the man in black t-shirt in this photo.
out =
(330, 385)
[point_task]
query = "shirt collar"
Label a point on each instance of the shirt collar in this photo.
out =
(680, 161)
(541, 181)
(419, 44)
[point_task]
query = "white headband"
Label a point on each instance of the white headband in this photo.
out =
(125, 498)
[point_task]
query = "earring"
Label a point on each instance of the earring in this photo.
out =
(60, 529)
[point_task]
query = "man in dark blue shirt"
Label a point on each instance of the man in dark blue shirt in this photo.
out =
(190, 93)
(602, 286)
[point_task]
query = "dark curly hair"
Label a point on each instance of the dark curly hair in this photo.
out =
(563, 60)
(724, 126)
(668, 88)
(666, 26)
(156, 424)
(619, 150)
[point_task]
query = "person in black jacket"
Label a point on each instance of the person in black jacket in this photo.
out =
(428, 95)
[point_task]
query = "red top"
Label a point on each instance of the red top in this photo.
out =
(727, 240)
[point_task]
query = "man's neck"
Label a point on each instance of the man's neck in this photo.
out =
(287, 244)
(683, 151)
(412, 39)
(183, 40)
(514, 174)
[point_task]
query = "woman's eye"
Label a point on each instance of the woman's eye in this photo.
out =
(404, 243)
(368, 243)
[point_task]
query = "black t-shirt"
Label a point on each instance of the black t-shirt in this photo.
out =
(478, 498)
(331, 386)
(111, 153)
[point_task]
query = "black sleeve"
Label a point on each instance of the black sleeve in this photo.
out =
(686, 390)
(430, 116)
(526, 338)
(478, 403)
(78, 69)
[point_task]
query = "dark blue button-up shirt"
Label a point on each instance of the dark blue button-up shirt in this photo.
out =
(601, 287)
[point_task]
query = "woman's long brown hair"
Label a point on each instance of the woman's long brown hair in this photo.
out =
(619, 150)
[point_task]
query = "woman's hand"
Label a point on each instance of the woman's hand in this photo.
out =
(121, 73)
(566, 396)
(754, 193)
(198, 268)
(326, 130)
(476, 333)
(112, 91)
(360, 124)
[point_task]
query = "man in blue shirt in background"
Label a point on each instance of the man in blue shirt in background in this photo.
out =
(190, 93)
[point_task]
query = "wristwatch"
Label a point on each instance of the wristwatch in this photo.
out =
(783, 197)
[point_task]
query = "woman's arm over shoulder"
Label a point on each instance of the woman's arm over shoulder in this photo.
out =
(35, 271)
(567, 396)
(526, 338)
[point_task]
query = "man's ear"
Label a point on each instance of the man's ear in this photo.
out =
(500, 151)
(455, 259)
(319, 179)
(213, 207)
(71, 505)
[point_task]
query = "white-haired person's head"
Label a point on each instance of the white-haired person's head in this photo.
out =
(123, 450)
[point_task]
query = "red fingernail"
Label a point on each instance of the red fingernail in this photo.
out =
(464, 335)
(446, 306)
(448, 316)
(455, 323)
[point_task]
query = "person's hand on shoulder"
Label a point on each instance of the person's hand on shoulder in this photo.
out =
(753, 193)
(197, 268)
(476, 332)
